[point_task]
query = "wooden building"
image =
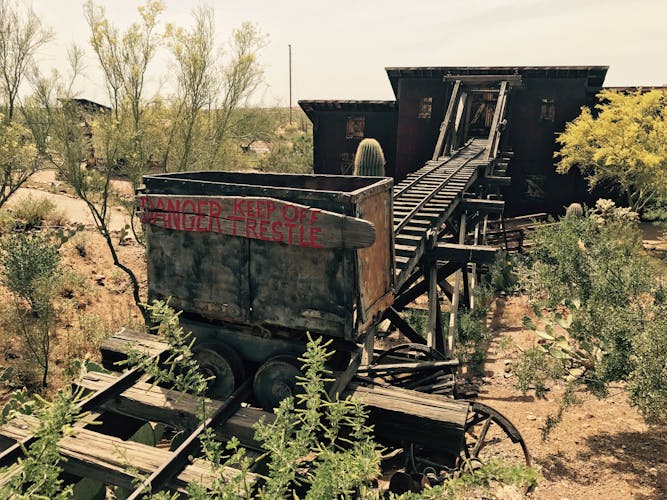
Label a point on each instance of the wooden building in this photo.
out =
(542, 100)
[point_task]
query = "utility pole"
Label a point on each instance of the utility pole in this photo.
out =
(290, 83)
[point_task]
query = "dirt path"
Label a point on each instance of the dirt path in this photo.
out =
(602, 448)
(43, 184)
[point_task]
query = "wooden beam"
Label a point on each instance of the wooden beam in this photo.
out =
(433, 303)
(400, 415)
(419, 289)
(495, 180)
(482, 79)
(114, 461)
(403, 326)
(444, 128)
(462, 254)
(453, 312)
(483, 206)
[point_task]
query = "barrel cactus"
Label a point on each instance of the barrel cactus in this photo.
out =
(574, 210)
(369, 160)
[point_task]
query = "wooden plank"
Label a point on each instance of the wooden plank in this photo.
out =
(496, 180)
(399, 415)
(265, 219)
(408, 367)
(460, 253)
(483, 206)
(114, 461)
(444, 128)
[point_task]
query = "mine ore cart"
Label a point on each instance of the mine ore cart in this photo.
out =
(257, 260)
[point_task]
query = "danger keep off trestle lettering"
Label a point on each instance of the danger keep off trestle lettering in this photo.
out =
(265, 219)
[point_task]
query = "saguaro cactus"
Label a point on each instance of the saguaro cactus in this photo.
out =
(369, 160)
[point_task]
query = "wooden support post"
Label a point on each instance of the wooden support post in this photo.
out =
(467, 295)
(367, 348)
(455, 299)
(433, 304)
(446, 122)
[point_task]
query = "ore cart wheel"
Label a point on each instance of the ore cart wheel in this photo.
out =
(276, 380)
(222, 365)
(439, 381)
(489, 435)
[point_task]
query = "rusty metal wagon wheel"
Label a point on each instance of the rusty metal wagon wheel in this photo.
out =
(440, 380)
(490, 435)
(222, 365)
(276, 380)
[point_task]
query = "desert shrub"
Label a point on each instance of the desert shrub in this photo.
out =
(418, 320)
(598, 299)
(647, 383)
(502, 276)
(33, 212)
(534, 369)
(472, 334)
(31, 271)
(482, 482)
(40, 474)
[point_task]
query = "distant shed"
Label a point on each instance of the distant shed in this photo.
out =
(339, 126)
(546, 98)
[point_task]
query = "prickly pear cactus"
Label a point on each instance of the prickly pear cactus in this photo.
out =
(369, 160)
(574, 210)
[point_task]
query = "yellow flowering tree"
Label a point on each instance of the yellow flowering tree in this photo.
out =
(623, 144)
(18, 158)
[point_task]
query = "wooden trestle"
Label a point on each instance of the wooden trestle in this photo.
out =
(440, 215)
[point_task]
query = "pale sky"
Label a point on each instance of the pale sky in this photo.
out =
(340, 48)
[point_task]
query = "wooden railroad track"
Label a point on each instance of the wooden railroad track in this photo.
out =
(427, 198)
(99, 449)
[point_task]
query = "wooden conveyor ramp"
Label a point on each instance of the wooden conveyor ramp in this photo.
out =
(441, 211)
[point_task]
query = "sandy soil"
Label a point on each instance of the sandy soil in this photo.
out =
(601, 449)
(44, 184)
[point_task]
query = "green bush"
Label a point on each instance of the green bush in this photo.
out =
(34, 212)
(31, 271)
(590, 276)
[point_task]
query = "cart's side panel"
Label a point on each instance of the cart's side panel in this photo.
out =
(200, 272)
(376, 263)
(302, 288)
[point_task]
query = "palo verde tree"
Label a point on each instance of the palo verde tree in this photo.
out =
(213, 88)
(19, 158)
(623, 144)
(21, 36)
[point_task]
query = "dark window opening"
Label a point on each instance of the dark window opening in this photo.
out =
(425, 108)
(547, 110)
(355, 127)
(346, 163)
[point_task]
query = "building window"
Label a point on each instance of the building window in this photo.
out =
(355, 127)
(346, 163)
(547, 110)
(425, 108)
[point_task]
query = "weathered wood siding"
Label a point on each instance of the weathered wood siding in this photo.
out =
(255, 282)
